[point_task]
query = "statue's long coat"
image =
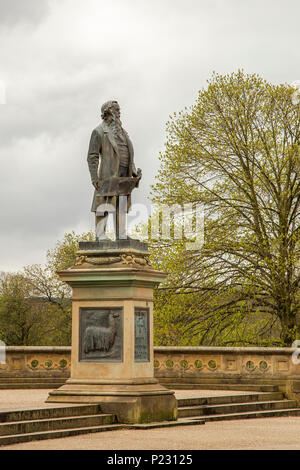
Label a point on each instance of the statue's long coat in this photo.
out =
(103, 144)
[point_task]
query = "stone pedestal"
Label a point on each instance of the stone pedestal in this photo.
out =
(112, 333)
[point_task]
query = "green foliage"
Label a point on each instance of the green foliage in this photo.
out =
(35, 306)
(236, 151)
(24, 319)
(63, 255)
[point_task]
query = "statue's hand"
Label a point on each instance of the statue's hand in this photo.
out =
(139, 173)
(96, 185)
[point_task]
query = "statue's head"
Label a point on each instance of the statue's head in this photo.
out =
(110, 109)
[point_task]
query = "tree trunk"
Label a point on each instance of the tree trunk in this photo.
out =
(289, 328)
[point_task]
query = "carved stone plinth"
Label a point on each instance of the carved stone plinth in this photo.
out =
(112, 333)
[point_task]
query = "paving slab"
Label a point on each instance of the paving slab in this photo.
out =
(210, 393)
(11, 399)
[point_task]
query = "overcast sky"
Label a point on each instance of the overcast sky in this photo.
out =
(61, 59)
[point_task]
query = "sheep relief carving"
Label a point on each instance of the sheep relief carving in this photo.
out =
(101, 333)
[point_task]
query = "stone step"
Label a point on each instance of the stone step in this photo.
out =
(207, 386)
(229, 408)
(207, 379)
(250, 414)
(223, 399)
(52, 424)
(167, 424)
(32, 379)
(9, 416)
(18, 438)
(30, 385)
(37, 436)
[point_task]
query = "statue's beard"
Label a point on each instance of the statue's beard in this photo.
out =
(116, 123)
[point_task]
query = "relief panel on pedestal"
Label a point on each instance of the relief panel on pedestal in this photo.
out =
(101, 334)
(141, 335)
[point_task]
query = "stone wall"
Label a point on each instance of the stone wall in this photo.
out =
(218, 365)
(175, 365)
(36, 361)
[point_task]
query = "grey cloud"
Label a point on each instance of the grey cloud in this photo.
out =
(13, 12)
(154, 61)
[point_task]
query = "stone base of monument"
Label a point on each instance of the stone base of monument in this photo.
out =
(139, 403)
(112, 333)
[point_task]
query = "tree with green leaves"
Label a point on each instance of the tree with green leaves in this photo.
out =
(45, 283)
(236, 151)
(35, 306)
(24, 318)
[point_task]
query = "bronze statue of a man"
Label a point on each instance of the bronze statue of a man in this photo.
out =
(117, 175)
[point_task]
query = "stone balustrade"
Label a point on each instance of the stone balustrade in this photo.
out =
(222, 365)
(203, 365)
(36, 361)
